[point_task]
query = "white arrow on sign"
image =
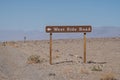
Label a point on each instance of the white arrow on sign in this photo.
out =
(49, 29)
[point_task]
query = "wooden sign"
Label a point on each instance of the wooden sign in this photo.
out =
(65, 29)
(68, 29)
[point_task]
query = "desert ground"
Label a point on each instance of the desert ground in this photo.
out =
(29, 60)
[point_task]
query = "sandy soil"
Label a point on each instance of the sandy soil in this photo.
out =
(103, 55)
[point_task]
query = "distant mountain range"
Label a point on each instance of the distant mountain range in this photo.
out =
(14, 35)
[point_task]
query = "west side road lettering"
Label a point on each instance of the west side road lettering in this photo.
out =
(61, 29)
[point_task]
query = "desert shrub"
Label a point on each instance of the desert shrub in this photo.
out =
(12, 44)
(108, 76)
(52, 74)
(96, 68)
(34, 59)
(57, 50)
(4, 43)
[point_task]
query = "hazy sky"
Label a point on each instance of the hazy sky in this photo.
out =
(36, 14)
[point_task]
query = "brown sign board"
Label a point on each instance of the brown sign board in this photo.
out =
(68, 29)
(65, 29)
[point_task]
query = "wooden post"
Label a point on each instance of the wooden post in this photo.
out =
(84, 47)
(51, 48)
